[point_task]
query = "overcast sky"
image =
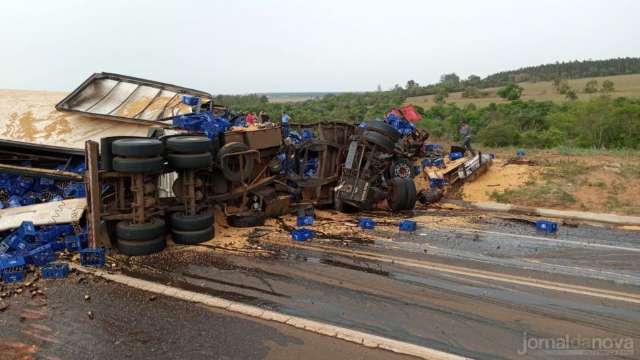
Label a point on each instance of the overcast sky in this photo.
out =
(243, 46)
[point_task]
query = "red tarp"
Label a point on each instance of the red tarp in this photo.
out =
(410, 113)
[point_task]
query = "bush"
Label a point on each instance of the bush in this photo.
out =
(591, 87)
(499, 134)
(510, 92)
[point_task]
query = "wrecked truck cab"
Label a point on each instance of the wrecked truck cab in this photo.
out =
(378, 166)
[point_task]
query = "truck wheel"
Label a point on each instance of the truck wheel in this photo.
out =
(401, 168)
(188, 144)
(379, 140)
(138, 248)
(192, 237)
(384, 129)
(397, 194)
(180, 221)
(231, 165)
(125, 230)
(137, 147)
(190, 161)
(138, 165)
(243, 221)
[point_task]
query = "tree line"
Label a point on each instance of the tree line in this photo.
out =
(598, 122)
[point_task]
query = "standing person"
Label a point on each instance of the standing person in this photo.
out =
(284, 122)
(261, 117)
(465, 132)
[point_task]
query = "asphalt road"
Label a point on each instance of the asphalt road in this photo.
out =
(490, 288)
(130, 324)
(481, 292)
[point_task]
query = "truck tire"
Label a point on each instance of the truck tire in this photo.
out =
(138, 165)
(384, 129)
(190, 161)
(137, 147)
(380, 140)
(410, 200)
(180, 221)
(230, 166)
(243, 221)
(139, 248)
(193, 237)
(125, 230)
(396, 198)
(188, 144)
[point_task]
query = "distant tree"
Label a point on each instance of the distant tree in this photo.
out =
(510, 92)
(411, 84)
(561, 86)
(591, 87)
(473, 80)
(450, 81)
(607, 87)
(571, 94)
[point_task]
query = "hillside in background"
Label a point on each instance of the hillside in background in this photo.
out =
(625, 85)
(568, 110)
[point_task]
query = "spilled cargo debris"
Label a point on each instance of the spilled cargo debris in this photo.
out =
(199, 158)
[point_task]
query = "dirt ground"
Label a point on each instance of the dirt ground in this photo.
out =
(590, 180)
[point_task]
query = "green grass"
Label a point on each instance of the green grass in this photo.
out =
(545, 194)
(625, 85)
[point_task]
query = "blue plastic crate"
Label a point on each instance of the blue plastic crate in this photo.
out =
(190, 100)
(436, 183)
(408, 225)
(12, 276)
(302, 234)
(92, 257)
(42, 258)
(55, 271)
(11, 263)
(72, 243)
(366, 223)
(455, 155)
(438, 162)
(546, 226)
(305, 220)
(27, 229)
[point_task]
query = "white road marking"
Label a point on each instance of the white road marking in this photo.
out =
(560, 241)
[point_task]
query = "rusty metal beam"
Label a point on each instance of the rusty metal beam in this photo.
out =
(93, 191)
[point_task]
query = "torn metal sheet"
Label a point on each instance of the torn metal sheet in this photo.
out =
(29, 122)
(56, 212)
(129, 99)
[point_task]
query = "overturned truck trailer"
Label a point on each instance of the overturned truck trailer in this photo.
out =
(146, 178)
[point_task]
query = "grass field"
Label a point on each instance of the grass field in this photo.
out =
(625, 85)
(577, 179)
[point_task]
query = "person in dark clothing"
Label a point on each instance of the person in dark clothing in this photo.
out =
(465, 132)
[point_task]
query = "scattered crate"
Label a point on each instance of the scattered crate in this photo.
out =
(547, 226)
(436, 183)
(408, 225)
(94, 257)
(12, 276)
(455, 155)
(302, 234)
(55, 271)
(305, 220)
(366, 223)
